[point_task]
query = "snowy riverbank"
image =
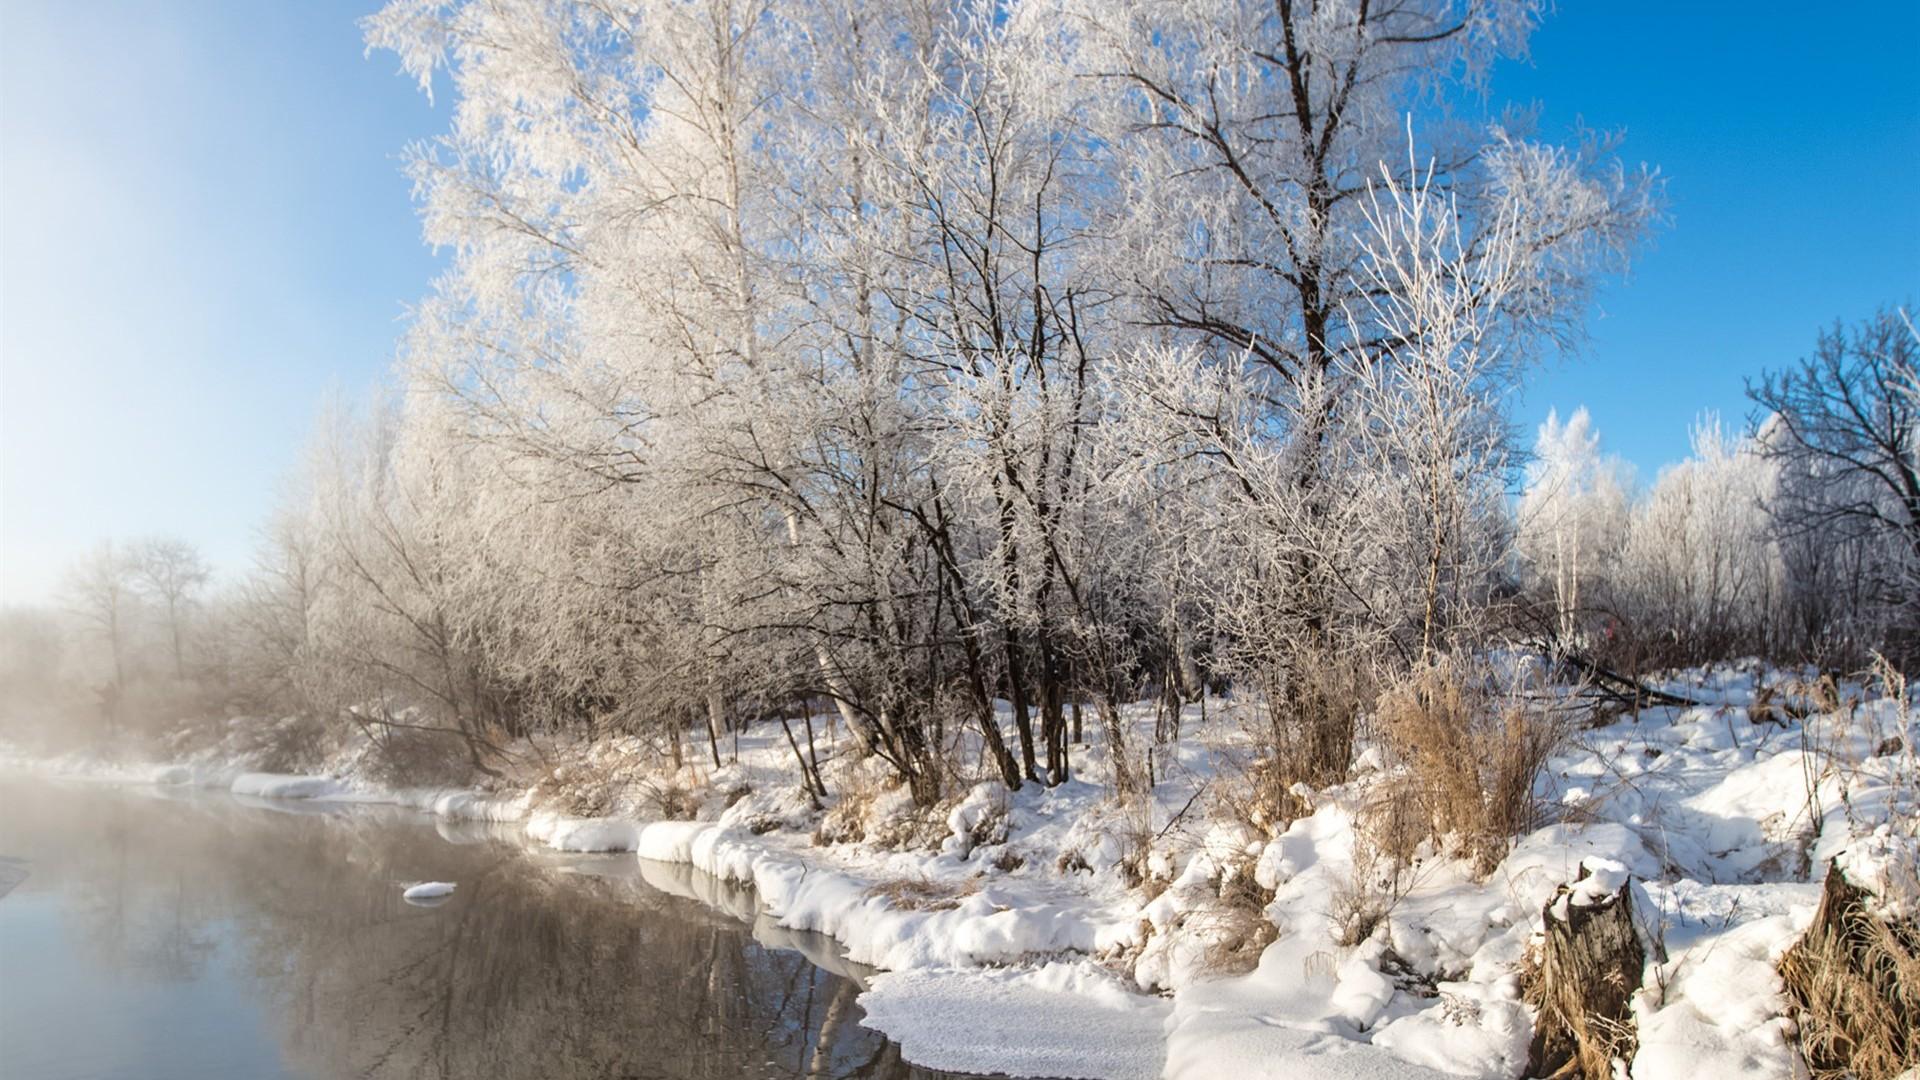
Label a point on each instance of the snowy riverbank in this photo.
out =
(1088, 938)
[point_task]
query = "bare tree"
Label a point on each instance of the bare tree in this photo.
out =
(99, 589)
(1844, 425)
(169, 572)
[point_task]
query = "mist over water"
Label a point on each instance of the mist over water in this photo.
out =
(161, 935)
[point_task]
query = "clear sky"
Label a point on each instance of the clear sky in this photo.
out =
(203, 228)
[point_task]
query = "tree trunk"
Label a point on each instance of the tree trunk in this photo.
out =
(814, 788)
(1053, 724)
(716, 716)
(1017, 697)
(1590, 965)
(1116, 731)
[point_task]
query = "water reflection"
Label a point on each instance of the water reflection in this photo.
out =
(293, 924)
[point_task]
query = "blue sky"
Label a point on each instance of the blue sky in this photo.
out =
(203, 228)
(1790, 140)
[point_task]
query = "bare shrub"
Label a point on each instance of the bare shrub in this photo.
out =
(1132, 825)
(578, 789)
(1305, 735)
(1767, 708)
(1261, 795)
(292, 744)
(670, 799)
(845, 822)
(417, 757)
(881, 812)
(990, 827)
(1391, 826)
(912, 828)
(1357, 908)
(1900, 741)
(1473, 756)
(1389, 830)
(1071, 861)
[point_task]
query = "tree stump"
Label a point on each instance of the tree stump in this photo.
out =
(1855, 979)
(1583, 982)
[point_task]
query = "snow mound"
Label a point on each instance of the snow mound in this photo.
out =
(1714, 1009)
(427, 891)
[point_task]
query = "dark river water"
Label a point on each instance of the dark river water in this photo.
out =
(156, 934)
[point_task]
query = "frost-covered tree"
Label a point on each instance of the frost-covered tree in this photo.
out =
(1253, 137)
(1400, 540)
(385, 637)
(844, 350)
(1700, 575)
(1571, 519)
(1433, 435)
(667, 161)
(1007, 328)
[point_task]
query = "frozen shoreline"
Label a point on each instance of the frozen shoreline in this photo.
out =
(934, 987)
(1021, 922)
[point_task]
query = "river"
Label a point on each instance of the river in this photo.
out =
(160, 933)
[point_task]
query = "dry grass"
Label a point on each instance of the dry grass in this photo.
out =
(1313, 712)
(876, 811)
(1233, 926)
(1855, 978)
(920, 894)
(1473, 757)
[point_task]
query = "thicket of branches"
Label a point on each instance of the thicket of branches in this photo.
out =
(901, 358)
(1798, 541)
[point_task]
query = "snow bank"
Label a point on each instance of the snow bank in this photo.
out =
(282, 786)
(584, 834)
(1070, 1020)
(1315, 1008)
(984, 927)
(1010, 911)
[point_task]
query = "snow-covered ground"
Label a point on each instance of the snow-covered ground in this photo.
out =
(1087, 936)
